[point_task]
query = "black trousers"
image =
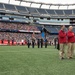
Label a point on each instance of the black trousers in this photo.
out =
(38, 45)
(41, 45)
(32, 44)
(45, 45)
(28, 45)
(58, 46)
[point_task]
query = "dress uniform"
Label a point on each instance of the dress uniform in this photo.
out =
(38, 43)
(46, 43)
(28, 44)
(41, 43)
(33, 43)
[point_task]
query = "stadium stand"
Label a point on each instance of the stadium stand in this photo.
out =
(58, 12)
(17, 26)
(52, 30)
(19, 22)
(41, 11)
(9, 7)
(68, 12)
(1, 6)
(74, 11)
(51, 12)
(30, 10)
(22, 10)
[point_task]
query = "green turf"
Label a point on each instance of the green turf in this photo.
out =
(19, 60)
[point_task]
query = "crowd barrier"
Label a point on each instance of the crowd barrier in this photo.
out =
(10, 42)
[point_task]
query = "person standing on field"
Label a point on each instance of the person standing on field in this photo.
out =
(71, 41)
(62, 37)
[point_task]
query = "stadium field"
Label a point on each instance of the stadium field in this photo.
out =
(19, 60)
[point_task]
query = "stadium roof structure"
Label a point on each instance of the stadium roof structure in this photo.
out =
(36, 12)
(30, 14)
(42, 3)
(48, 4)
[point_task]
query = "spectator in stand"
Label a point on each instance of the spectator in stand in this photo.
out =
(17, 36)
(17, 26)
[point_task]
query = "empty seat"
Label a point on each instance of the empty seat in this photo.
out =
(51, 12)
(68, 12)
(22, 9)
(51, 29)
(1, 6)
(32, 10)
(9, 7)
(59, 12)
(73, 11)
(42, 11)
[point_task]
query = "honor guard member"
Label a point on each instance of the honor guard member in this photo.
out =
(55, 42)
(58, 44)
(46, 41)
(38, 43)
(41, 43)
(33, 42)
(28, 44)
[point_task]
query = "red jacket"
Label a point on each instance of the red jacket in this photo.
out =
(71, 37)
(62, 37)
